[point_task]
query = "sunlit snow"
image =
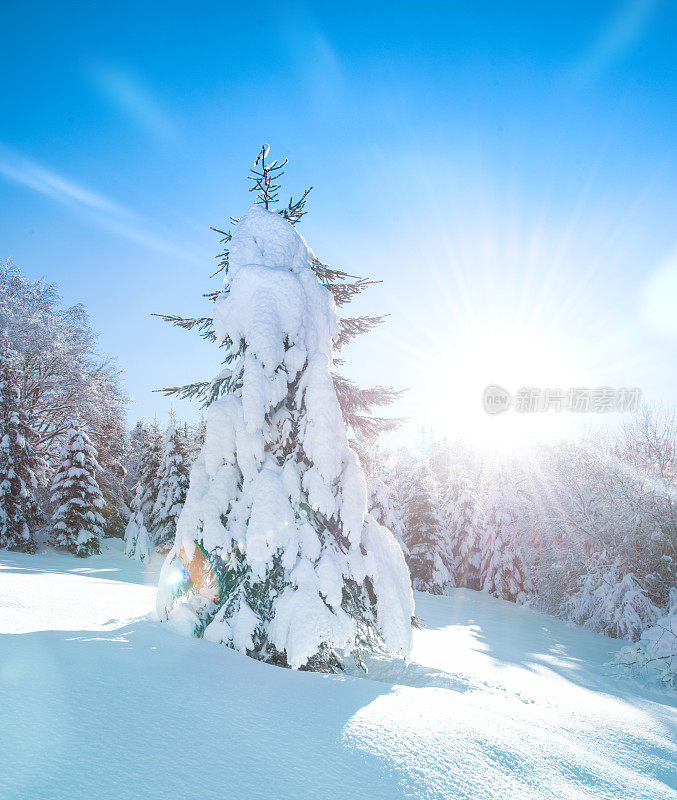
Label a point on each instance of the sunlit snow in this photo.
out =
(99, 700)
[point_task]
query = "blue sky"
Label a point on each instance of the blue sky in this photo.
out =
(509, 170)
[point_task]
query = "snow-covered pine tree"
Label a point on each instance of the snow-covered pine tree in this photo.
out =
(613, 603)
(109, 441)
(77, 523)
(459, 505)
(385, 509)
(196, 438)
(429, 560)
(357, 404)
(138, 543)
(19, 465)
(440, 459)
(468, 554)
(277, 500)
(172, 487)
(501, 571)
(137, 539)
(133, 453)
(382, 502)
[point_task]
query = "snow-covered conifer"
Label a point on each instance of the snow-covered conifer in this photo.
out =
(138, 542)
(110, 441)
(459, 504)
(276, 507)
(19, 465)
(501, 571)
(137, 539)
(196, 438)
(136, 442)
(613, 603)
(382, 501)
(429, 560)
(77, 523)
(386, 510)
(172, 487)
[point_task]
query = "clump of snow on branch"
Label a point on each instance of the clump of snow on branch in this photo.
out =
(277, 498)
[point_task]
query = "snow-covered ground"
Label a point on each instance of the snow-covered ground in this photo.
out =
(99, 701)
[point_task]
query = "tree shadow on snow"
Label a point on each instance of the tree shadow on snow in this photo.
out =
(97, 566)
(128, 699)
(521, 637)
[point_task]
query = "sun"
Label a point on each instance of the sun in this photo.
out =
(510, 359)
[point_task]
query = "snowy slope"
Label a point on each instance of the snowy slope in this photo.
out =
(98, 701)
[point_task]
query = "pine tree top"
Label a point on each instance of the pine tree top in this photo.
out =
(357, 404)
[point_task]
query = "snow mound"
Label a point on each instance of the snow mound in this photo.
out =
(499, 702)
